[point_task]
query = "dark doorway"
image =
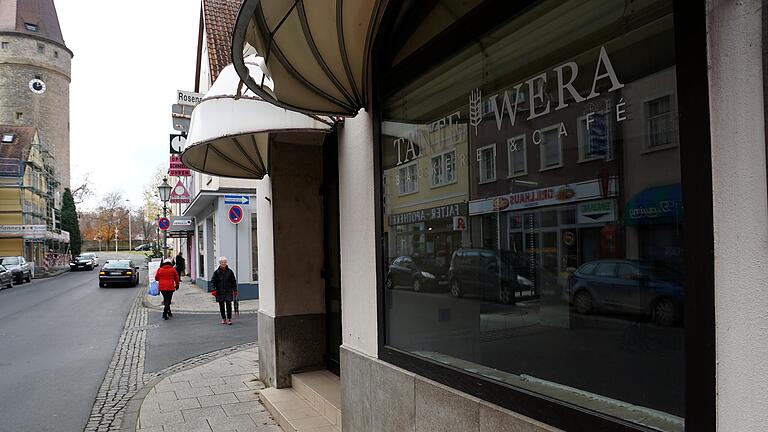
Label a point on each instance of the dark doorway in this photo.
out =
(332, 265)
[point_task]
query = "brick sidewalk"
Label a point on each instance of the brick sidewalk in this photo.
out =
(217, 396)
(192, 298)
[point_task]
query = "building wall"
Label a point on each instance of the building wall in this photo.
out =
(740, 213)
(49, 112)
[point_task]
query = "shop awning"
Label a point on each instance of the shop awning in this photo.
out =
(316, 52)
(655, 205)
(229, 133)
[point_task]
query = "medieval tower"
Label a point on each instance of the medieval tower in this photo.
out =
(35, 75)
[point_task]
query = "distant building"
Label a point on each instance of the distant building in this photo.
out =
(35, 76)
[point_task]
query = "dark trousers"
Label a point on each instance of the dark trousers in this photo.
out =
(229, 309)
(167, 296)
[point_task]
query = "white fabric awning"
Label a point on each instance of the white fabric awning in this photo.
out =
(229, 134)
(316, 52)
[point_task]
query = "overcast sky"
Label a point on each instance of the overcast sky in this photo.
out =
(130, 58)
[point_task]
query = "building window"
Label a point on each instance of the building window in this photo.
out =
(518, 165)
(595, 136)
(55, 54)
(567, 263)
(660, 130)
(19, 115)
(486, 158)
(444, 169)
(30, 27)
(8, 138)
(408, 179)
(4, 45)
(40, 48)
(550, 148)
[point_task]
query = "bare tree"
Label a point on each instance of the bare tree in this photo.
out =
(83, 191)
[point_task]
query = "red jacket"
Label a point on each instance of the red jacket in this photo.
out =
(167, 278)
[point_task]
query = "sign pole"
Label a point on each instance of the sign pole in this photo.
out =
(237, 252)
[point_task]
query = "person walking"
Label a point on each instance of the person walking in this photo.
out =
(180, 264)
(225, 289)
(168, 282)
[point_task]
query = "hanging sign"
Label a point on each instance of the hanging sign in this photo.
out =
(599, 211)
(180, 194)
(177, 143)
(235, 214)
(459, 223)
(177, 167)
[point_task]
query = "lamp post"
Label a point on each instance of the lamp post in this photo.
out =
(130, 246)
(164, 190)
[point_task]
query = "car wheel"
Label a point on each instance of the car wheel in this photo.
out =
(416, 285)
(10, 283)
(664, 312)
(388, 283)
(20, 280)
(456, 288)
(29, 277)
(582, 301)
(505, 294)
(102, 285)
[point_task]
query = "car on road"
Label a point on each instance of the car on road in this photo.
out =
(122, 272)
(84, 261)
(19, 268)
(627, 286)
(484, 273)
(413, 273)
(6, 278)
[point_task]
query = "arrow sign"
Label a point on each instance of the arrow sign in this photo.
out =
(163, 223)
(237, 199)
(235, 214)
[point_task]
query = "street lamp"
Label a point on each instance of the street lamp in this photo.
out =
(130, 246)
(165, 194)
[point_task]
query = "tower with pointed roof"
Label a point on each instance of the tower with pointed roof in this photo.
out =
(35, 75)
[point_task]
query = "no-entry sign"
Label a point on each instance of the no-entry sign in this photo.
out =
(235, 214)
(163, 223)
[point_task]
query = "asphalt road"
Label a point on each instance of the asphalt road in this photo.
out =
(58, 335)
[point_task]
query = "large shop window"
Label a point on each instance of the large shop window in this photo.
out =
(565, 280)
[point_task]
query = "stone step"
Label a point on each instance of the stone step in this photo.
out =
(294, 413)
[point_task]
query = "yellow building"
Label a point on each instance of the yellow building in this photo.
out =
(27, 196)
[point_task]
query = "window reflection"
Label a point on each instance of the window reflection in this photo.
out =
(533, 211)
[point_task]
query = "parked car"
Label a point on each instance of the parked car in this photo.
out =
(483, 272)
(628, 286)
(414, 273)
(84, 261)
(19, 267)
(143, 247)
(6, 278)
(119, 272)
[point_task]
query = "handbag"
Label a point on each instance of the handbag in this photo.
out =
(154, 289)
(237, 304)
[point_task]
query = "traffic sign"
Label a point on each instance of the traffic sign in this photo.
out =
(235, 214)
(188, 98)
(237, 199)
(163, 223)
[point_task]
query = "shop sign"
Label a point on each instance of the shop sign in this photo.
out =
(429, 214)
(180, 194)
(459, 223)
(26, 231)
(554, 195)
(596, 211)
(177, 167)
(181, 227)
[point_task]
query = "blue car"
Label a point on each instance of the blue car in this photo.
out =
(628, 286)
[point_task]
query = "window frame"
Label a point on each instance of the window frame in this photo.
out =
(442, 156)
(696, 168)
(480, 151)
(555, 127)
(581, 129)
(414, 163)
(510, 163)
(647, 147)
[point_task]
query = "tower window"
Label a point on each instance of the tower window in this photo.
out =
(38, 77)
(31, 27)
(19, 115)
(40, 48)
(55, 54)
(8, 138)
(4, 45)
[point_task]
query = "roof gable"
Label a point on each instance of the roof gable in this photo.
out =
(219, 18)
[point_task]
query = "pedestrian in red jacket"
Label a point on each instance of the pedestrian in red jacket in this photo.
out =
(168, 282)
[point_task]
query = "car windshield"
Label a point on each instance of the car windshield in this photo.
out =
(118, 265)
(87, 256)
(10, 261)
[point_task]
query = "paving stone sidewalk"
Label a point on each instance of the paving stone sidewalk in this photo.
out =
(192, 298)
(221, 395)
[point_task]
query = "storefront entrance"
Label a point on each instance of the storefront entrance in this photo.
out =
(332, 252)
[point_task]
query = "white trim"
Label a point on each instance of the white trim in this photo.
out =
(415, 178)
(510, 163)
(431, 167)
(647, 148)
(480, 166)
(555, 127)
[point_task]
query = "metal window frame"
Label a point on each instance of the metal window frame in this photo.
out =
(696, 179)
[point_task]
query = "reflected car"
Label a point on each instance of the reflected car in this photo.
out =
(143, 247)
(19, 267)
(414, 273)
(628, 286)
(483, 272)
(119, 272)
(84, 261)
(6, 278)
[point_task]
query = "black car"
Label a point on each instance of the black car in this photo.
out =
(6, 278)
(119, 272)
(19, 267)
(413, 273)
(84, 261)
(484, 273)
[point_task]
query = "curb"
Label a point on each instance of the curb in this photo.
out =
(146, 304)
(132, 411)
